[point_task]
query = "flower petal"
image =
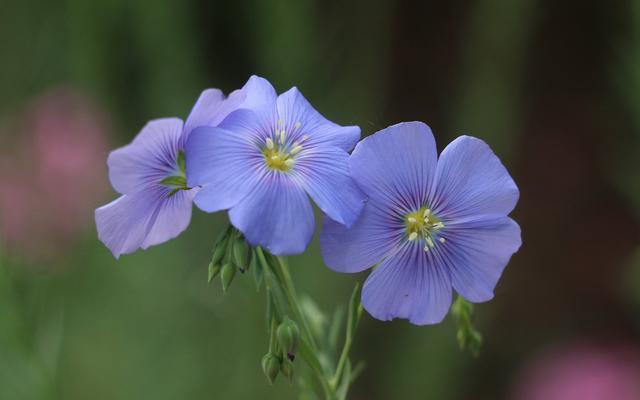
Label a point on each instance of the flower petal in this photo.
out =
(142, 219)
(260, 97)
(476, 252)
(248, 124)
(294, 109)
(396, 165)
(324, 173)
(372, 237)
(226, 164)
(471, 180)
(211, 109)
(148, 159)
(205, 111)
(408, 285)
(276, 215)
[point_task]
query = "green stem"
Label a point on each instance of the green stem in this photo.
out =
(286, 285)
(344, 356)
(290, 292)
(353, 318)
(272, 336)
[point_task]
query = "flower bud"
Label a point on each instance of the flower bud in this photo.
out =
(286, 367)
(257, 269)
(288, 336)
(219, 251)
(270, 367)
(240, 253)
(227, 274)
(214, 269)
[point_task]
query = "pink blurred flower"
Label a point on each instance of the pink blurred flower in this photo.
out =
(583, 372)
(52, 173)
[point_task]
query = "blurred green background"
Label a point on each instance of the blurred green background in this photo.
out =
(553, 87)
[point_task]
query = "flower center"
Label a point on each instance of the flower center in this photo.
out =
(279, 151)
(178, 179)
(423, 225)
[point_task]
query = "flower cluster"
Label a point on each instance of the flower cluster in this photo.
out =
(427, 225)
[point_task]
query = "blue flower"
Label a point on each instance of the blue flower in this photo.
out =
(265, 159)
(430, 224)
(149, 173)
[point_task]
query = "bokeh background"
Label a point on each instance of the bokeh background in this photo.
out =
(553, 86)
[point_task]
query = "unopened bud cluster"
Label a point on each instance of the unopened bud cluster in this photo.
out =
(231, 254)
(288, 337)
(280, 358)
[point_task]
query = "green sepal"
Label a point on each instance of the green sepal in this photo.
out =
(175, 181)
(181, 161)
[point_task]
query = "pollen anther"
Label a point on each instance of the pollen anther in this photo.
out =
(278, 154)
(423, 225)
(429, 241)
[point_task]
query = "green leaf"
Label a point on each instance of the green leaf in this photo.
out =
(315, 317)
(335, 328)
(467, 335)
(309, 356)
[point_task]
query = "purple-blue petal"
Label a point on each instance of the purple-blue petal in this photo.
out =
(324, 173)
(260, 97)
(396, 165)
(149, 158)
(476, 252)
(294, 109)
(205, 111)
(408, 285)
(143, 218)
(246, 123)
(276, 215)
(227, 165)
(373, 236)
(471, 181)
(211, 109)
